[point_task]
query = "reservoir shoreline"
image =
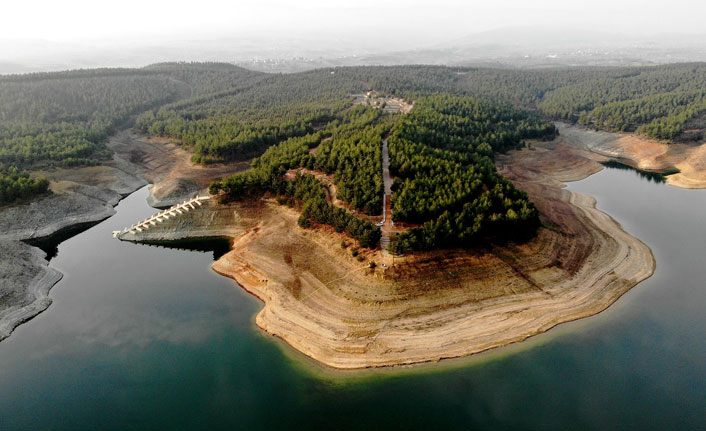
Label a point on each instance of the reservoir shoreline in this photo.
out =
(333, 309)
(85, 196)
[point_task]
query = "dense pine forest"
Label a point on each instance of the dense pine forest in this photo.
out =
(442, 157)
(221, 112)
(65, 121)
(250, 111)
(348, 148)
(260, 110)
(441, 154)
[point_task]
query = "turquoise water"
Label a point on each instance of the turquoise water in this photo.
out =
(143, 337)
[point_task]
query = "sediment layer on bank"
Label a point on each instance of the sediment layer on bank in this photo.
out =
(25, 266)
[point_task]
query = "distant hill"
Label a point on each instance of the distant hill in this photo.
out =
(7, 68)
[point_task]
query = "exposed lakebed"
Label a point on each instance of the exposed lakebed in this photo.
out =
(144, 337)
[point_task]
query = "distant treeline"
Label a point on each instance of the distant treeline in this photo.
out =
(65, 118)
(660, 102)
(236, 114)
(222, 112)
(65, 121)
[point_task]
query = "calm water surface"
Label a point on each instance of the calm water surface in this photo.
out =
(142, 337)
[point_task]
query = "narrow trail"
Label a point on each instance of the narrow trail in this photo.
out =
(387, 202)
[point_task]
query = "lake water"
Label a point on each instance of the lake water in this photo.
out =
(143, 337)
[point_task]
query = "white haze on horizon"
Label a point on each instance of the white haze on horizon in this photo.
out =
(431, 20)
(52, 34)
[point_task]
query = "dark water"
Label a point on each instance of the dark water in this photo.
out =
(50, 244)
(150, 338)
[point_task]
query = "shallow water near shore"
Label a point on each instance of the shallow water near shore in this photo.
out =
(144, 337)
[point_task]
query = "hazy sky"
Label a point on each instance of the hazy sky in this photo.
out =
(433, 20)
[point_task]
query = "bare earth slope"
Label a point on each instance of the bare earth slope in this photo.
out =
(23, 265)
(430, 306)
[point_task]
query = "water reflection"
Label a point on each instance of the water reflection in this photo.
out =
(218, 246)
(50, 244)
(650, 176)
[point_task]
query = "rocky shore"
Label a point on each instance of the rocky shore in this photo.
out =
(25, 280)
(82, 196)
(79, 196)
